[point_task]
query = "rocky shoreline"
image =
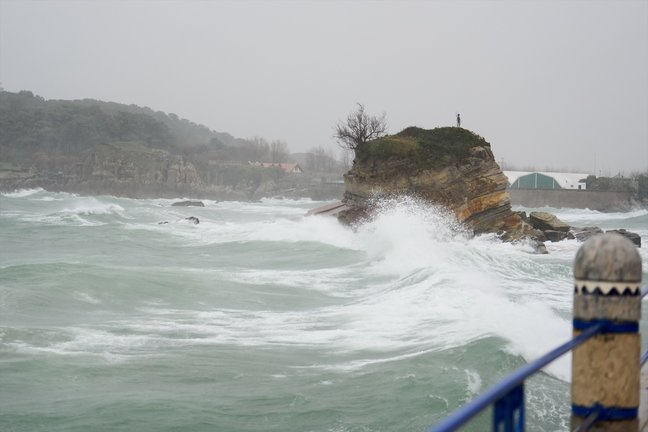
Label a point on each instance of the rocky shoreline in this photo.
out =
(554, 230)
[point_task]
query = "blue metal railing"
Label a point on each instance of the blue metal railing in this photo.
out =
(507, 396)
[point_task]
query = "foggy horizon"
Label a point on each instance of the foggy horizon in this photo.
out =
(560, 85)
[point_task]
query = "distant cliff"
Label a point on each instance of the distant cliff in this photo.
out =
(449, 166)
(126, 169)
(134, 170)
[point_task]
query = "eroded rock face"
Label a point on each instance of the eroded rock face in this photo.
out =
(451, 167)
(138, 171)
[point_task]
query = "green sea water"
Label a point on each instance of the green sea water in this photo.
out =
(261, 319)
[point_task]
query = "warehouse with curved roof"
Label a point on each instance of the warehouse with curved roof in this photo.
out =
(545, 180)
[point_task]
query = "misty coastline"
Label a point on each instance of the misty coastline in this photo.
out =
(96, 148)
(91, 147)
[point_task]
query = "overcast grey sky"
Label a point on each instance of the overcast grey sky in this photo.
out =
(560, 84)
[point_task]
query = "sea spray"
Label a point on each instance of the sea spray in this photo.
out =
(260, 318)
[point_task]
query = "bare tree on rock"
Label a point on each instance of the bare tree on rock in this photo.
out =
(359, 128)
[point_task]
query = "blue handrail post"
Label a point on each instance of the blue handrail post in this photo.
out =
(506, 408)
(606, 368)
(606, 343)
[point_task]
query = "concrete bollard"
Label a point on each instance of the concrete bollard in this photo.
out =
(606, 369)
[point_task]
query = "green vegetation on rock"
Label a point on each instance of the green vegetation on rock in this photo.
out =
(443, 145)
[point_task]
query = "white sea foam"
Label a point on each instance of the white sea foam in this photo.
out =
(584, 215)
(48, 199)
(87, 298)
(92, 206)
(438, 290)
(91, 342)
(66, 219)
(332, 281)
(66, 209)
(278, 229)
(309, 229)
(22, 193)
(473, 384)
(56, 349)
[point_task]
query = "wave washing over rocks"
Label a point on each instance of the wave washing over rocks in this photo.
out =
(448, 167)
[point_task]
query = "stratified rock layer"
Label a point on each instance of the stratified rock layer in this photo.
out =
(130, 168)
(452, 167)
(546, 221)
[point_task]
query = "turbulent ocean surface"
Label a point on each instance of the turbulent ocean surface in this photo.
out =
(262, 319)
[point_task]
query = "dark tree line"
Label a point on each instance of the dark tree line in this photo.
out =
(31, 125)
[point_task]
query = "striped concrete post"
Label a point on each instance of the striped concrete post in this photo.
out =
(605, 369)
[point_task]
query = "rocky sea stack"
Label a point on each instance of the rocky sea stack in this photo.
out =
(448, 166)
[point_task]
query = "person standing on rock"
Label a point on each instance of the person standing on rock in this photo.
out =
(458, 120)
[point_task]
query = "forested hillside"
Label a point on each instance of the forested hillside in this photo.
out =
(31, 125)
(96, 147)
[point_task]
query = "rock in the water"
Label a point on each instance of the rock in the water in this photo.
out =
(539, 247)
(188, 204)
(163, 223)
(451, 167)
(540, 236)
(193, 220)
(582, 234)
(633, 237)
(555, 236)
(546, 221)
